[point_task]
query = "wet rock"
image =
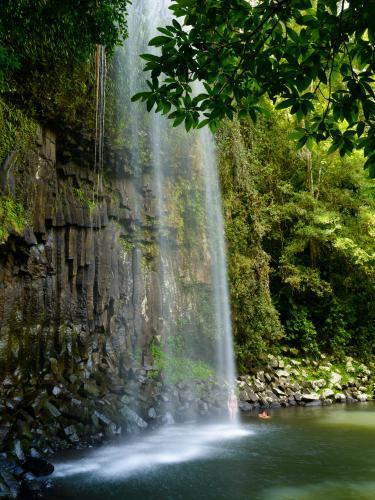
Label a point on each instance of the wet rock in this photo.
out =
(339, 397)
(245, 406)
(71, 432)
(278, 392)
(254, 398)
(103, 418)
(310, 397)
(30, 486)
(327, 401)
(132, 419)
(52, 409)
(10, 485)
(38, 466)
(18, 450)
(314, 403)
(350, 399)
(152, 413)
(327, 393)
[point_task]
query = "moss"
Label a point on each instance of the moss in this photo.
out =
(85, 194)
(16, 130)
(177, 368)
(13, 218)
(126, 245)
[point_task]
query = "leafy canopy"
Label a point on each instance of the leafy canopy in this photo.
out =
(45, 32)
(312, 57)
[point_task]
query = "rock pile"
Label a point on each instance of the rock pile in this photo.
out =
(290, 382)
(69, 412)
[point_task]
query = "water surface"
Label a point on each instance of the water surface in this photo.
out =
(301, 453)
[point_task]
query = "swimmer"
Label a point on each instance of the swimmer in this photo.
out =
(264, 415)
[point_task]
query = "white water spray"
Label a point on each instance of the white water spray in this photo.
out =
(194, 328)
(190, 229)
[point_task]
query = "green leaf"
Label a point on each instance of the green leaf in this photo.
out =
(203, 123)
(360, 128)
(296, 134)
(178, 120)
(334, 147)
(140, 96)
(286, 104)
(158, 41)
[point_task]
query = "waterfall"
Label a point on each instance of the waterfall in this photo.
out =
(100, 83)
(194, 338)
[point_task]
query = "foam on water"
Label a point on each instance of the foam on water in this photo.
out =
(169, 445)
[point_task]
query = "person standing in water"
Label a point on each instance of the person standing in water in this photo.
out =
(232, 405)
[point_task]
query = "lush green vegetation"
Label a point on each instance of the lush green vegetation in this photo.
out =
(314, 57)
(305, 221)
(176, 367)
(16, 130)
(13, 218)
(47, 52)
(300, 224)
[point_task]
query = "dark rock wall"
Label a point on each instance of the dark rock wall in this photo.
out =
(72, 287)
(81, 302)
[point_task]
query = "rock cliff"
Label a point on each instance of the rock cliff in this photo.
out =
(80, 302)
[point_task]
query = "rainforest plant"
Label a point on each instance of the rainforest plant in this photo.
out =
(312, 57)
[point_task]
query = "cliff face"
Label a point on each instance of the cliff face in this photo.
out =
(81, 304)
(76, 301)
(68, 279)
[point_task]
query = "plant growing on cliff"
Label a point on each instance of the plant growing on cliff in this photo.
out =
(47, 53)
(13, 218)
(176, 367)
(16, 130)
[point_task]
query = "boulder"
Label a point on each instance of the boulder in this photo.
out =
(310, 397)
(245, 406)
(252, 397)
(9, 485)
(38, 466)
(362, 398)
(327, 393)
(335, 378)
(314, 403)
(340, 397)
(133, 419)
(152, 413)
(327, 401)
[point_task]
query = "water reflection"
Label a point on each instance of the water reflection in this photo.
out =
(300, 454)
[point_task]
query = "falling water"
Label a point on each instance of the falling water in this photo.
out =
(100, 83)
(195, 325)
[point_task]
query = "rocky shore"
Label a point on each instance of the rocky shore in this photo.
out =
(289, 381)
(69, 412)
(64, 413)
